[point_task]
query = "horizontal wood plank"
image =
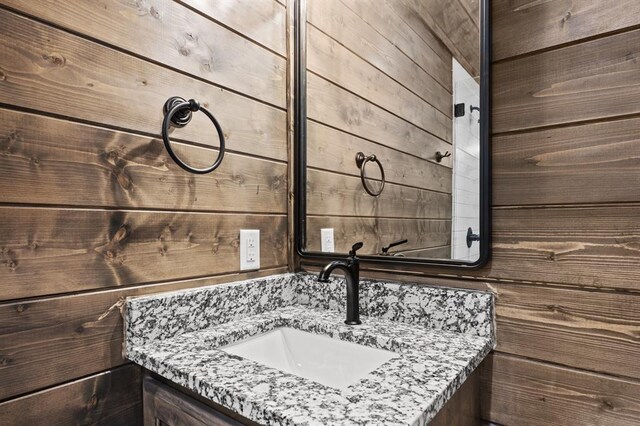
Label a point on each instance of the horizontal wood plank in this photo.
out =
(261, 20)
(108, 398)
(422, 47)
(339, 156)
(451, 23)
(379, 232)
(53, 161)
(336, 107)
(591, 330)
(337, 64)
(333, 194)
(49, 251)
(524, 392)
(49, 70)
(334, 18)
(588, 81)
(587, 246)
(541, 25)
(171, 34)
(555, 166)
(53, 340)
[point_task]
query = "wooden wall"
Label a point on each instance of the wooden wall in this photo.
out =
(92, 209)
(379, 86)
(566, 215)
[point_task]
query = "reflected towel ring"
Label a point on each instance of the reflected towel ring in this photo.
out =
(361, 162)
(178, 113)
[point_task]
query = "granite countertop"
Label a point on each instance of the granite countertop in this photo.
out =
(440, 336)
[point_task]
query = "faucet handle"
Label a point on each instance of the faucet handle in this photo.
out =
(354, 248)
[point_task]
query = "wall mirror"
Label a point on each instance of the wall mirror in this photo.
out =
(391, 130)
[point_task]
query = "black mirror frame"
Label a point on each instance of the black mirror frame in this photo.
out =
(300, 155)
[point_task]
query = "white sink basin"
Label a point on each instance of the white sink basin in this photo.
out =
(324, 360)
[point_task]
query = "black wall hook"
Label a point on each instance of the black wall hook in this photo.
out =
(440, 156)
(178, 113)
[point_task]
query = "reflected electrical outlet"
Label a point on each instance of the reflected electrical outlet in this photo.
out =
(326, 238)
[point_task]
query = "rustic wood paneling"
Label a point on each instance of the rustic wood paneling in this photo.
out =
(334, 62)
(420, 45)
(105, 399)
(50, 161)
(586, 246)
(451, 23)
(334, 18)
(379, 232)
(52, 340)
(341, 109)
(171, 34)
(49, 70)
(334, 194)
(518, 391)
(261, 20)
(49, 251)
(592, 330)
(544, 24)
(565, 222)
(555, 166)
(91, 203)
(375, 85)
(332, 149)
(586, 81)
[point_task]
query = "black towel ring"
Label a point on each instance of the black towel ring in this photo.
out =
(361, 162)
(178, 113)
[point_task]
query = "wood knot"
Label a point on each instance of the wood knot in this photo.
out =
(33, 245)
(35, 161)
(4, 361)
(93, 402)
(21, 308)
(124, 180)
(3, 76)
(239, 179)
(607, 405)
(163, 251)
(121, 234)
(55, 59)
(12, 265)
(154, 12)
(566, 17)
(112, 157)
(184, 51)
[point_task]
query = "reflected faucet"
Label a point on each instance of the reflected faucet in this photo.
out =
(351, 268)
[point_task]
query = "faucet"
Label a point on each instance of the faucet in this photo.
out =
(385, 249)
(351, 268)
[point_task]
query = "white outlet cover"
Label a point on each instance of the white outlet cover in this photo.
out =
(326, 240)
(249, 249)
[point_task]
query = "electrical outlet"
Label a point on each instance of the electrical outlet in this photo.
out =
(249, 249)
(326, 239)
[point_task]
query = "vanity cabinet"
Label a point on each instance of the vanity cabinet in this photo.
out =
(166, 406)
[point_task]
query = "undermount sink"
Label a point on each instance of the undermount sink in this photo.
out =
(331, 362)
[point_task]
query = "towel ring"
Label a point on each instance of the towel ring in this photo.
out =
(361, 162)
(178, 113)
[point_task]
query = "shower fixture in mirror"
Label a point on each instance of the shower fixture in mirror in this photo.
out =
(392, 130)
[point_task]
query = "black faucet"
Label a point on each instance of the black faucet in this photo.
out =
(351, 268)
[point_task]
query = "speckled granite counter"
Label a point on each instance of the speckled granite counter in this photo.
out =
(441, 336)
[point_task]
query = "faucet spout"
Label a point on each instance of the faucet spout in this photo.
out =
(351, 269)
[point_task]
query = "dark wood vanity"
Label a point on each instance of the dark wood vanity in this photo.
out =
(167, 404)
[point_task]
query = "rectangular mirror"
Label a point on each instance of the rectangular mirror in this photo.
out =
(391, 130)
